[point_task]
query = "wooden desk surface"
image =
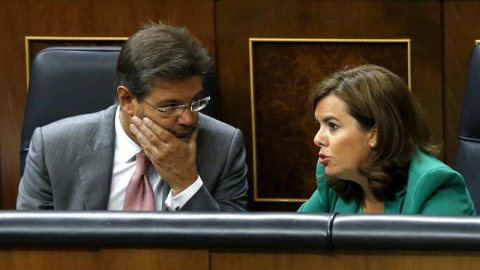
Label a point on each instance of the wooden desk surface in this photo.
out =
(232, 259)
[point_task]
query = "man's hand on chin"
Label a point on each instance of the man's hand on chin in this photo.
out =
(174, 158)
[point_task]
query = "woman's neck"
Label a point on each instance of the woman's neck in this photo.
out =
(371, 205)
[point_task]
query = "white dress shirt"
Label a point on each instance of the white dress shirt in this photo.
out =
(124, 167)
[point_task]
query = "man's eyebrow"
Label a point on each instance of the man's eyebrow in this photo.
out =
(176, 101)
(169, 101)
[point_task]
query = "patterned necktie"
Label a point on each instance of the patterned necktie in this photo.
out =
(139, 195)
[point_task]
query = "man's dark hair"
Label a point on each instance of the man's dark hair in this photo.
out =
(160, 52)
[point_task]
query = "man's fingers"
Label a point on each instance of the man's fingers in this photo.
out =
(141, 138)
(146, 131)
(160, 132)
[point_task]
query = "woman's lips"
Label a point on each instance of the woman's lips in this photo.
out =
(323, 159)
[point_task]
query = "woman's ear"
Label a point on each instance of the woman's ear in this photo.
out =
(372, 140)
(125, 99)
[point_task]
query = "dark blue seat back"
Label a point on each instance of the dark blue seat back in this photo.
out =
(468, 154)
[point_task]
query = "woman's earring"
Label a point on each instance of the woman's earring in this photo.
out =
(372, 145)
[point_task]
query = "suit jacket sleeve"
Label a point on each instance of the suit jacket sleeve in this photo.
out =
(34, 192)
(230, 191)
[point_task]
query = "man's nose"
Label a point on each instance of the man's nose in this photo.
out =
(186, 117)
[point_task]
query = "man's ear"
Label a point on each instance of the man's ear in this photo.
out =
(125, 99)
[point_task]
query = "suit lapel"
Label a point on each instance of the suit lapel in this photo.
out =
(95, 168)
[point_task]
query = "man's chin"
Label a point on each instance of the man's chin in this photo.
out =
(184, 134)
(184, 138)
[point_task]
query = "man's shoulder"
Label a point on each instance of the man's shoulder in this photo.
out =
(211, 125)
(215, 133)
(79, 123)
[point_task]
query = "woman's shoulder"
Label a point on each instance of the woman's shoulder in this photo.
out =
(423, 163)
(428, 173)
(435, 188)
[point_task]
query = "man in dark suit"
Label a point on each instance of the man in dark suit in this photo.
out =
(197, 163)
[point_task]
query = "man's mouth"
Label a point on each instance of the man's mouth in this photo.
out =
(184, 133)
(185, 136)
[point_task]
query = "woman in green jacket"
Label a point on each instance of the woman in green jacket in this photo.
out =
(375, 150)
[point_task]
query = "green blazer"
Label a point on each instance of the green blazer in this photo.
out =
(433, 188)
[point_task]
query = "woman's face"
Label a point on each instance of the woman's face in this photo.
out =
(343, 146)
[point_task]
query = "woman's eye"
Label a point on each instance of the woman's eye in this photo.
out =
(333, 126)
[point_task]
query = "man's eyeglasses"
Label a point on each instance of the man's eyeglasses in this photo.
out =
(176, 110)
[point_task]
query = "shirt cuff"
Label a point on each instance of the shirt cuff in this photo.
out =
(175, 203)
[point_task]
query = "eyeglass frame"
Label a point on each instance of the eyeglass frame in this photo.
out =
(162, 110)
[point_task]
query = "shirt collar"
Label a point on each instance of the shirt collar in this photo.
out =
(129, 148)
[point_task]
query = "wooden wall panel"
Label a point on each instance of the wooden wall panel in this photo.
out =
(80, 18)
(283, 73)
(462, 28)
(154, 258)
(49, 259)
(106, 258)
(281, 259)
(117, 258)
(237, 21)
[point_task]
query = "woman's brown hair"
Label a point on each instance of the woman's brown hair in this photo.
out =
(375, 96)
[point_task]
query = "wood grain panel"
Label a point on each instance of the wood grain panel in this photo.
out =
(73, 258)
(367, 259)
(79, 18)
(462, 28)
(49, 259)
(154, 258)
(283, 74)
(232, 259)
(237, 21)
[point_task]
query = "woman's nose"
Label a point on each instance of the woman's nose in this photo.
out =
(319, 139)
